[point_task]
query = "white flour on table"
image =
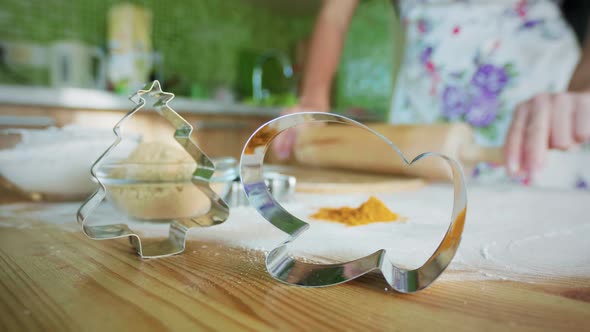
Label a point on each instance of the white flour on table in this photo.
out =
(510, 232)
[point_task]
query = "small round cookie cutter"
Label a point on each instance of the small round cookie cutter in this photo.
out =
(281, 186)
(288, 269)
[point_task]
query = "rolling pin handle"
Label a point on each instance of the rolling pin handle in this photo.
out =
(472, 154)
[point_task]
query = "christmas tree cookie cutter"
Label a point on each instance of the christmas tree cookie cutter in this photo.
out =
(178, 227)
(286, 268)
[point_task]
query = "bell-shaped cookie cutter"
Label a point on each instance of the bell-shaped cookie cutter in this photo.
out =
(179, 227)
(288, 269)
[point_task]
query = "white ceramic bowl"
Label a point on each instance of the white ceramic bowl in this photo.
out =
(54, 163)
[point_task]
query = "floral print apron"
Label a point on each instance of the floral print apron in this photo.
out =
(475, 60)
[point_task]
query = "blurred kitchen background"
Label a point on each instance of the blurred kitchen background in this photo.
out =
(67, 69)
(201, 50)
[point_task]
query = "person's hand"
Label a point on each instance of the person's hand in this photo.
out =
(283, 144)
(547, 121)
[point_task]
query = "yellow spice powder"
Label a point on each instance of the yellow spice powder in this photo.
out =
(373, 210)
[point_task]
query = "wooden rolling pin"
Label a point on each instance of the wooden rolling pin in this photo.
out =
(345, 147)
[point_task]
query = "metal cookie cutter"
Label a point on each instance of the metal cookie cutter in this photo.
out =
(286, 268)
(175, 243)
(281, 186)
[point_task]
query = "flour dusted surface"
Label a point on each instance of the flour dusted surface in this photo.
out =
(510, 233)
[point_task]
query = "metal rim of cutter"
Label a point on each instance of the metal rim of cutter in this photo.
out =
(288, 269)
(176, 241)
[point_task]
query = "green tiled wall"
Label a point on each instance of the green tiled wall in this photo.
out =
(201, 40)
(371, 57)
(211, 41)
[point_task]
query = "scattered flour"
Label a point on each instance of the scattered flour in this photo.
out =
(510, 233)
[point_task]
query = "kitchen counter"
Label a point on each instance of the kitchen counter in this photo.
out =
(221, 129)
(74, 98)
(54, 278)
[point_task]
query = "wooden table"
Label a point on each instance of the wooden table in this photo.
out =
(53, 278)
